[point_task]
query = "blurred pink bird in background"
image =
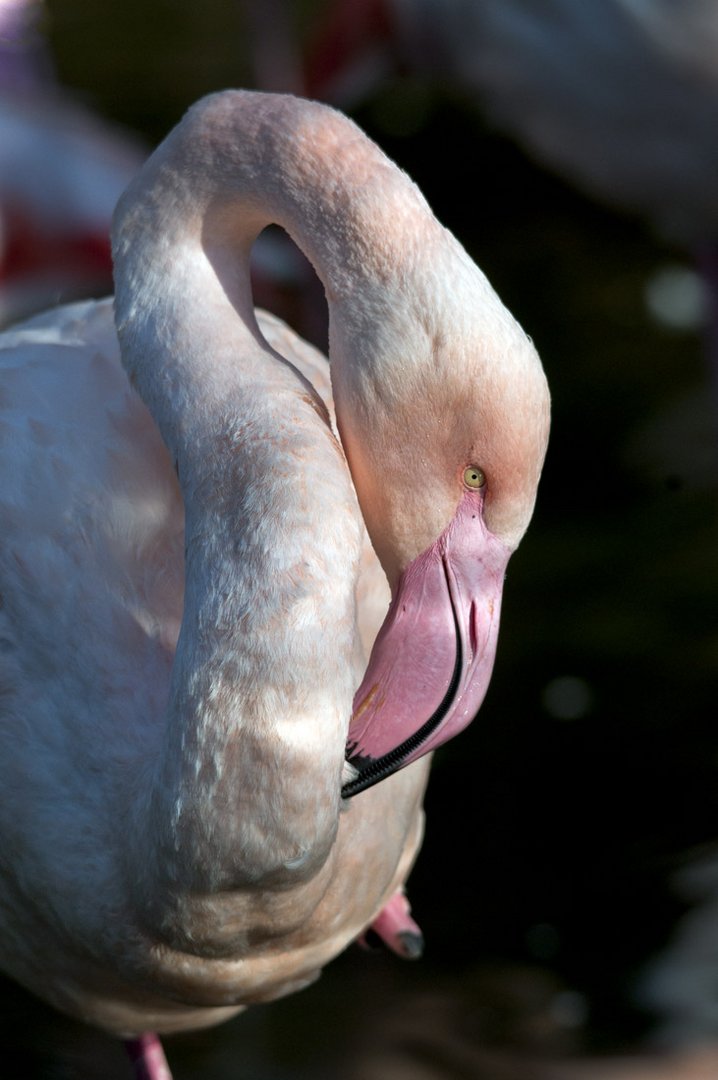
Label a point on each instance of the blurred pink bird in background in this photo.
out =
(62, 170)
(620, 98)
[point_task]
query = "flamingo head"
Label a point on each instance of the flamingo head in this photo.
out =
(445, 436)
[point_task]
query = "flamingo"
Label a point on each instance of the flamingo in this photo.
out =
(195, 570)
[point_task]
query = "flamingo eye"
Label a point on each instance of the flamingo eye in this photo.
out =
(474, 477)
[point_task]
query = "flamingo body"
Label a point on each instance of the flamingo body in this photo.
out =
(110, 546)
(189, 595)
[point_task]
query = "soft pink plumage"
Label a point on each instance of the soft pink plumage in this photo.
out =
(180, 574)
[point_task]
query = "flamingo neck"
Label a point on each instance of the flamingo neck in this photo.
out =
(184, 230)
(247, 788)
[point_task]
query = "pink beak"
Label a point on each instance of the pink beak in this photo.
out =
(432, 660)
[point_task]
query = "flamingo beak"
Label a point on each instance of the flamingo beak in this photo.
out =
(432, 660)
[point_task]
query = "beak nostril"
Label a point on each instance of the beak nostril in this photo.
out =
(473, 629)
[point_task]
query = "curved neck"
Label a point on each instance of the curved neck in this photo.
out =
(238, 162)
(249, 780)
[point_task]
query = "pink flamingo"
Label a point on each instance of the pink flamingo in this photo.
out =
(189, 592)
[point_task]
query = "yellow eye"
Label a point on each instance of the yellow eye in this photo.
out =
(473, 477)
